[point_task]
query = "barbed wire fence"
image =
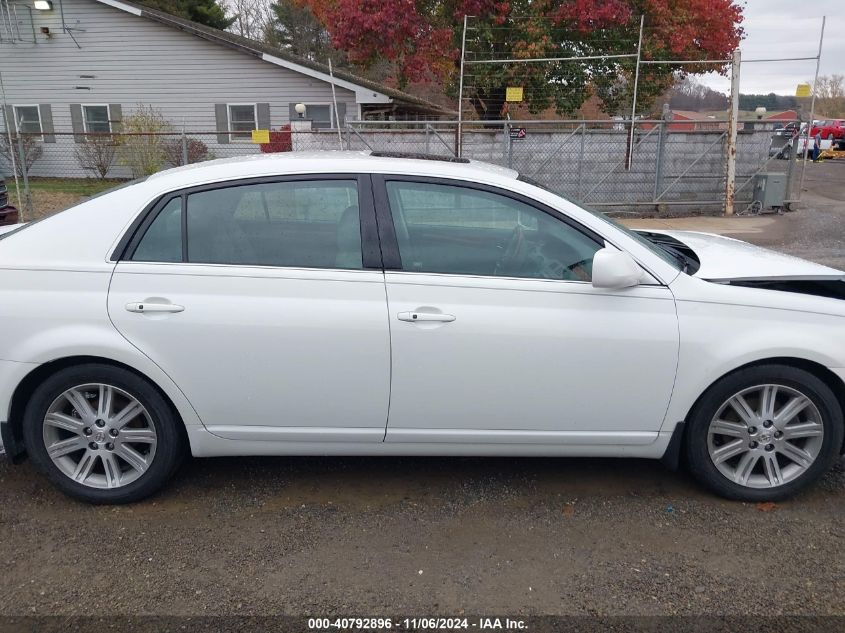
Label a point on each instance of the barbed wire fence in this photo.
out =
(639, 161)
(564, 75)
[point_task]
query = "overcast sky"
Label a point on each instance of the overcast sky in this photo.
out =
(787, 28)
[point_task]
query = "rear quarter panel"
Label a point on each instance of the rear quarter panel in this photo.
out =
(54, 281)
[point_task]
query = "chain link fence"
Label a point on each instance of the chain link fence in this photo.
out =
(662, 167)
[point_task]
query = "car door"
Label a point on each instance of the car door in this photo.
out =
(264, 301)
(498, 335)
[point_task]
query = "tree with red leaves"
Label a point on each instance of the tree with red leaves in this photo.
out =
(421, 40)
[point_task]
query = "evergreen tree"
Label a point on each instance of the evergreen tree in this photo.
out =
(207, 12)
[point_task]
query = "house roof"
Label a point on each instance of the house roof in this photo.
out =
(785, 115)
(693, 116)
(366, 91)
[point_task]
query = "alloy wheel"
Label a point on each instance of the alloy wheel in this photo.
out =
(765, 436)
(99, 435)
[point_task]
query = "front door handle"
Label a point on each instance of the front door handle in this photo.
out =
(141, 307)
(429, 317)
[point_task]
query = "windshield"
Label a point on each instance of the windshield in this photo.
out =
(668, 256)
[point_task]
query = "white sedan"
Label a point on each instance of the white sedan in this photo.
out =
(361, 304)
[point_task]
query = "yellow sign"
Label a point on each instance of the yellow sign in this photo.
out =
(261, 136)
(513, 94)
(803, 90)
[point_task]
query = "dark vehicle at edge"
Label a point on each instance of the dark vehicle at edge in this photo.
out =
(8, 213)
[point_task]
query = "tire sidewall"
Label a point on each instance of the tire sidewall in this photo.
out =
(823, 398)
(168, 439)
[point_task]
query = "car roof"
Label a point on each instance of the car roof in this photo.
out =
(327, 161)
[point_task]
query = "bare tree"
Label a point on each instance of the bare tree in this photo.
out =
(97, 153)
(689, 94)
(830, 96)
(32, 151)
(197, 151)
(253, 17)
(142, 143)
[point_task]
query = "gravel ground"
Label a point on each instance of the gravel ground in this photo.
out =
(392, 536)
(816, 230)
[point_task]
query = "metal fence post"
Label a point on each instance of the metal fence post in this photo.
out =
(659, 158)
(505, 143)
(184, 148)
(733, 122)
(508, 146)
(581, 161)
(791, 156)
(27, 194)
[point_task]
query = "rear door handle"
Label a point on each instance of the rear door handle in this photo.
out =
(430, 317)
(144, 308)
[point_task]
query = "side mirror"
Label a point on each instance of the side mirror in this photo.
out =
(615, 269)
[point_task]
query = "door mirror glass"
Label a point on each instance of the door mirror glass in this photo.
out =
(615, 269)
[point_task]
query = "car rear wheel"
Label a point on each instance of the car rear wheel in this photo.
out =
(102, 434)
(764, 433)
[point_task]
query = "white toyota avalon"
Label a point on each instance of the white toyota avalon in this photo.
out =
(344, 303)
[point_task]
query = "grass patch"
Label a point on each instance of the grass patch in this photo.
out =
(75, 186)
(50, 195)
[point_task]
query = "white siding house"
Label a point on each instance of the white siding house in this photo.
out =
(84, 65)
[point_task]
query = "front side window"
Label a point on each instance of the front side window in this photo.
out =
(96, 118)
(242, 121)
(28, 119)
(458, 230)
(303, 224)
(667, 257)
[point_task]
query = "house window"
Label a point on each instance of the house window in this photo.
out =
(320, 115)
(28, 119)
(96, 118)
(242, 121)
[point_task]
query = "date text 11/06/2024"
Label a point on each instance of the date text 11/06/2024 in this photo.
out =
(416, 624)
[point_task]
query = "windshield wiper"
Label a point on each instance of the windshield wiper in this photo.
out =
(683, 262)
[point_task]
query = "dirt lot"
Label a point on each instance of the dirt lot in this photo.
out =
(439, 536)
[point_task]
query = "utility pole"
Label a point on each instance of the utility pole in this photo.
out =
(460, 141)
(630, 157)
(812, 111)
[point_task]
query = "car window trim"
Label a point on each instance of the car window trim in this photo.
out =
(387, 232)
(370, 247)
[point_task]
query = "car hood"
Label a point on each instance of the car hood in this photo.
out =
(728, 259)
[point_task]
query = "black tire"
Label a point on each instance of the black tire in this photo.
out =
(698, 457)
(169, 438)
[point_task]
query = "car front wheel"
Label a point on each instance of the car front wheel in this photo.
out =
(763, 433)
(102, 434)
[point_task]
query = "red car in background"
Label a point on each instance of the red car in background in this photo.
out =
(834, 128)
(8, 213)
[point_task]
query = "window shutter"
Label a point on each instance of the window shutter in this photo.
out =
(45, 113)
(341, 115)
(292, 115)
(222, 117)
(115, 117)
(263, 115)
(76, 122)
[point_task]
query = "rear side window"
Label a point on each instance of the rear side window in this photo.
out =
(305, 224)
(163, 240)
